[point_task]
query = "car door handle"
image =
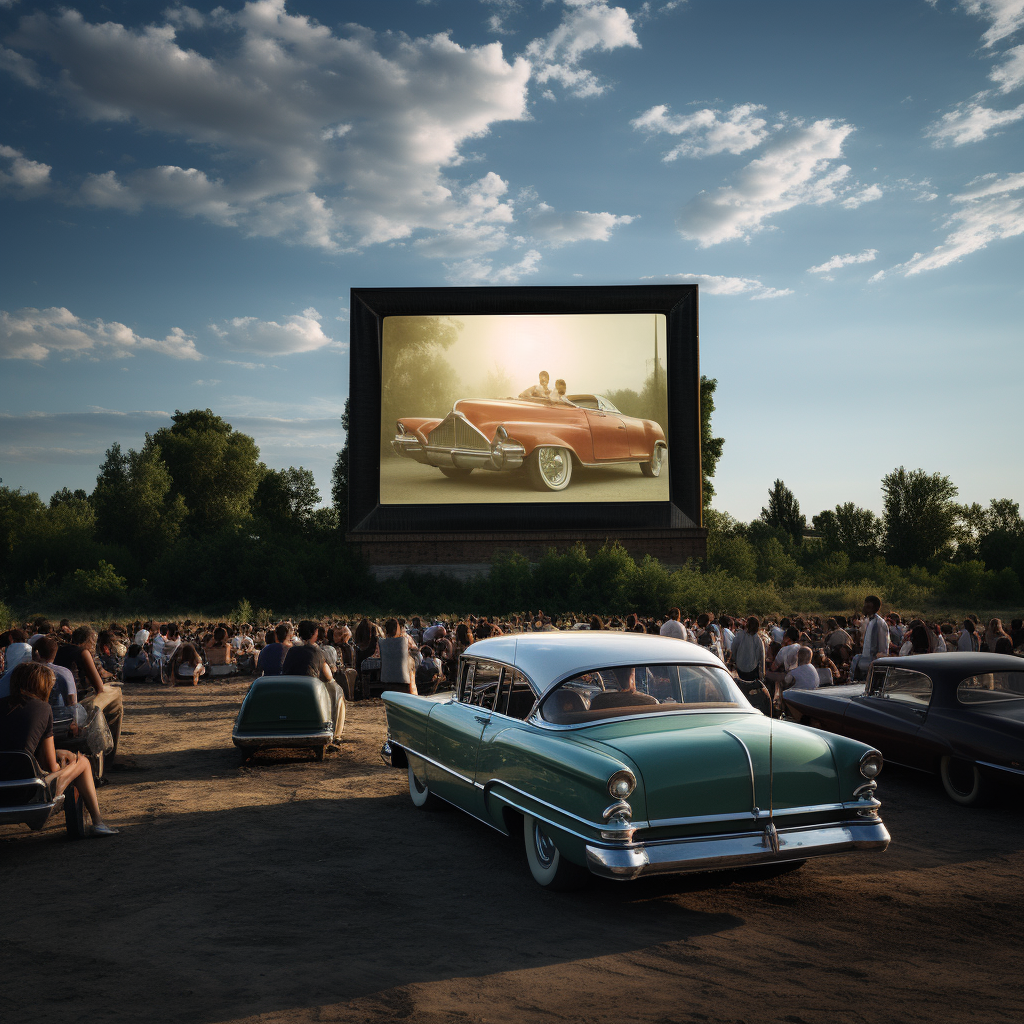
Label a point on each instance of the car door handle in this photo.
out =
(482, 719)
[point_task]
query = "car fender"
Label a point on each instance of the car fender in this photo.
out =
(559, 780)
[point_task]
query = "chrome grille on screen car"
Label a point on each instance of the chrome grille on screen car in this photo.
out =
(455, 432)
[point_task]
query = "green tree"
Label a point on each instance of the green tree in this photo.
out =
(710, 446)
(66, 495)
(213, 467)
(339, 476)
(89, 588)
(285, 498)
(133, 502)
(18, 511)
(783, 512)
(920, 515)
(416, 379)
(852, 530)
(775, 565)
(734, 554)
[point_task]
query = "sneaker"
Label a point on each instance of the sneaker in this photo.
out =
(104, 830)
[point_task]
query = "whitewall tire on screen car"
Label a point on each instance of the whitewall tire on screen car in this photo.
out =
(547, 865)
(653, 468)
(550, 468)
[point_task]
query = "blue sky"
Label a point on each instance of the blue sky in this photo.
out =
(189, 192)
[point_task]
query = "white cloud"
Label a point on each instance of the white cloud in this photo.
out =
(20, 67)
(971, 121)
(991, 208)
(865, 195)
(27, 176)
(556, 228)
(298, 333)
(838, 262)
(1010, 74)
(321, 139)
(716, 284)
(1005, 17)
(34, 333)
(708, 131)
(794, 169)
(483, 271)
(587, 25)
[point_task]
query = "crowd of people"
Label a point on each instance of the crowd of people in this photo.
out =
(47, 669)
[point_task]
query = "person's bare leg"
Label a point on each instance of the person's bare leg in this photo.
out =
(83, 783)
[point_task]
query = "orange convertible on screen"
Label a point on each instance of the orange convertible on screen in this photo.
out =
(544, 437)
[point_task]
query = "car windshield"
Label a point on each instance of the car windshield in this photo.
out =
(640, 690)
(991, 688)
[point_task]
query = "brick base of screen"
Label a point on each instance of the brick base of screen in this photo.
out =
(389, 554)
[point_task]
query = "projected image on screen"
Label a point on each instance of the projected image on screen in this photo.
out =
(523, 409)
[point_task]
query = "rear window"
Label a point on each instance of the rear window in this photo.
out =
(640, 690)
(991, 688)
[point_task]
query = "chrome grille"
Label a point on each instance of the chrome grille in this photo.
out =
(455, 432)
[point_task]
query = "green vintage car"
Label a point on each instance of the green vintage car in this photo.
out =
(622, 755)
(289, 711)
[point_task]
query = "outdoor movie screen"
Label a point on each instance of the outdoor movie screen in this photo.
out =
(523, 408)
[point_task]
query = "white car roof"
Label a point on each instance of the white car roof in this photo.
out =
(546, 658)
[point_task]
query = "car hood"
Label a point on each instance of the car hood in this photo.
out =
(696, 765)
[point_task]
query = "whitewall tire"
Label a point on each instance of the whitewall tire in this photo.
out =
(547, 865)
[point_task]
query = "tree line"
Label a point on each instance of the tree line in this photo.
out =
(194, 520)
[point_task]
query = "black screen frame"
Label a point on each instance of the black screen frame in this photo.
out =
(368, 308)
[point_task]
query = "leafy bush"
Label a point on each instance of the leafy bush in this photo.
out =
(99, 587)
(243, 613)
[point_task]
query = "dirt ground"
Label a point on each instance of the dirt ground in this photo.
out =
(295, 891)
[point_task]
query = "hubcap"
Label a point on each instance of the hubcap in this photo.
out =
(554, 465)
(656, 461)
(545, 848)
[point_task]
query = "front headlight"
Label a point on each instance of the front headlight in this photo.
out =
(400, 427)
(621, 784)
(871, 764)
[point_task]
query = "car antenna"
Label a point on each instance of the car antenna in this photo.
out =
(771, 836)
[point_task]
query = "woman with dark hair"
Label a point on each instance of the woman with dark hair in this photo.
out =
(968, 640)
(463, 637)
(994, 632)
(917, 640)
(26, 723)
(185, 667)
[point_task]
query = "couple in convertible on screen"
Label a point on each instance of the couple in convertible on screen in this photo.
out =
(542, 390)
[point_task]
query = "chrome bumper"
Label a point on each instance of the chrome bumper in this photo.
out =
(503, 455)
(283, 739)
(748, 849)
(33, 815)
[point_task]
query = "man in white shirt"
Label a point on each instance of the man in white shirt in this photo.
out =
(778, 630)
(803, 675)
(673, 626)
(142, 636)
(876, 639)
(786, 660)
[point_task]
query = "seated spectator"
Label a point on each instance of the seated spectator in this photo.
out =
(272, 656)
(917, 640)
(968, 639)
(709, 642)
(347, 658)
(1017, 632)
(109, 662)
(219, 651)
(185, 667)
(1004, 645)
(137, 666)
(26, 723)
(428, 672)
(306, 659)
(172, 641)
(77, 657)
(142, 633)
(464, 637)
(828, 671)
(803, 675)
(156, 646)
(18, 649)
(994, 632)
(596, 622)
(786, 660)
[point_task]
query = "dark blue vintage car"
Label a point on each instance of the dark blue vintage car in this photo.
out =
(959, 715)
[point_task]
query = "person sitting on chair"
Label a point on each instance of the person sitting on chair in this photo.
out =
(26, 723)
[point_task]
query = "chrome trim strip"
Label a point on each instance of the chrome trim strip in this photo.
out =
(437, 764)
(750, 761)
(698, 819)
(529, 796)
(547, 821)
(34, 781)
(535, 719)
(1001, 767)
